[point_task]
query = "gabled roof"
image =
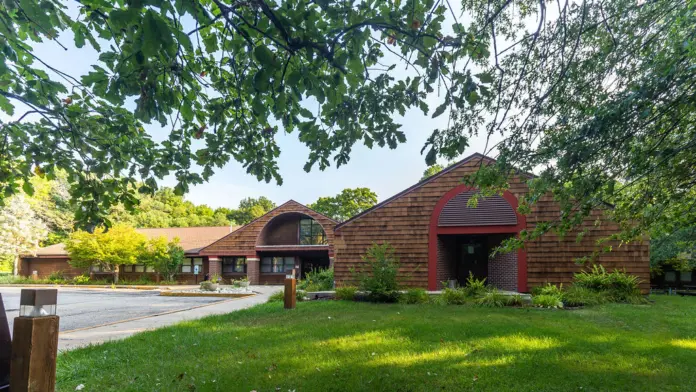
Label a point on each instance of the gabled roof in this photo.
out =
(420, 184)
(192, 239)
(291, 201)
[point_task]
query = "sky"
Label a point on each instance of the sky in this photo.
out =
(384, 171)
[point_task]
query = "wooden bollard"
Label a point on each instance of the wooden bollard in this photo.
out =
(290, 291)
(5, 347)
(35, 342)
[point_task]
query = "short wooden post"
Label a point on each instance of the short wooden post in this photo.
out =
(5, 347)
(34, 353)
(35, 342)
(290, 291)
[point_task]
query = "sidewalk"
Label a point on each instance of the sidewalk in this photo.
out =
(69, 340)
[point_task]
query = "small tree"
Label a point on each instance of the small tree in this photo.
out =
(379, 276)
(121, 245)
(163, 255)
(20, 230)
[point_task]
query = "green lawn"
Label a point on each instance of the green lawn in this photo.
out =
(344, 346)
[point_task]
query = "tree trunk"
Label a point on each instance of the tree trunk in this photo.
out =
(116, 274)
(15, 265)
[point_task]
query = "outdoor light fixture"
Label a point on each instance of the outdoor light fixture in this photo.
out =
(35, 342)
(38, 302)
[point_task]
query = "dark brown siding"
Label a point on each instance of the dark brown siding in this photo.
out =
(243, 241)
(490, 211)
(282, 230)
(404, 223)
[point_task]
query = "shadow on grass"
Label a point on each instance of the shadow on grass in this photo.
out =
(337, 346)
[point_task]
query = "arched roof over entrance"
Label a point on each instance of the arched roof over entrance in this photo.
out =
(284, 229)
(489, 211)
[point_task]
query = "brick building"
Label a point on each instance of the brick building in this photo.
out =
(436, 236)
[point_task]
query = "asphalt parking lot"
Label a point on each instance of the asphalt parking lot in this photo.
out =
(82, 308)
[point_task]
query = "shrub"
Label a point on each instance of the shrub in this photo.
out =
(81, 279)
(279, 296)
(378, 279)
(207, 286)
(548, 289)
(474, 287)
(493, 299)
(318, 280)
(547, 301)
(56, 277)
(454, 296)
(582, 296)
(619, 286)
(514, 300)
(415, 296)
(346, 293)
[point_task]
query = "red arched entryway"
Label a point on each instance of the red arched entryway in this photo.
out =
(435, 230)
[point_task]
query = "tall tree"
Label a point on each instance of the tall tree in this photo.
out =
(598, 101)
(251, 208)
(220, 74)
(21, 230)
(163, 255)
(350, 202)
(120, 245)
(431, 171)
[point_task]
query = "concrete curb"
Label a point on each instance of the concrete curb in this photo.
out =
(224, 295)
(87, 286)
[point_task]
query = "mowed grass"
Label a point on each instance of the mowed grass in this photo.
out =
(346, 346)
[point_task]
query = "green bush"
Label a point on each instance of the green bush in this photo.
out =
(415, 296)
(318, 280)
(618, 285)
(80, 279)
(514, 300)
(279, 296)
(57, 277)
(378, 279)
(547, 301)
(548, 289)
(346, 293)
(582, 296)
(493, 299)
(207, 286)
(474, 287)
(454, 296)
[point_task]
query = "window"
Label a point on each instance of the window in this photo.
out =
(97, 268)
(311, 233)
(232, 265)
(149, 268)
(685, 276)
(189, 264)
(670, 276)
(277, 264)
(139, 268)
(127, 268)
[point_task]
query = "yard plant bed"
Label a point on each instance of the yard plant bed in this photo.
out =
(350, 346)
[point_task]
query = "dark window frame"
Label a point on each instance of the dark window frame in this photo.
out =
(235, 262)
(277, 264)
(314, 236)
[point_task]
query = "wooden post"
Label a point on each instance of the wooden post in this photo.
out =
(34, 352)
(5, 347)
(290, 291)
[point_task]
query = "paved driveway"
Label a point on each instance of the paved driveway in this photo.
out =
(82, 308)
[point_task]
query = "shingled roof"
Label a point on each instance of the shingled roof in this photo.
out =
(192, 239)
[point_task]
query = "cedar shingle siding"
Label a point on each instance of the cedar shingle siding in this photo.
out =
(404, 222)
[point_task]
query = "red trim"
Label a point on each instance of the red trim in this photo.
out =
(434, 230)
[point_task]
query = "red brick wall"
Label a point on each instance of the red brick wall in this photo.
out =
(45, 266)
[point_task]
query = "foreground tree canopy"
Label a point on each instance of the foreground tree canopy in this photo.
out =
(595, 97)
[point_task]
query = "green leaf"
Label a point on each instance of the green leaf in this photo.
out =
(264, 56)
(440, 109)
(6, 105)
(485, 77)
